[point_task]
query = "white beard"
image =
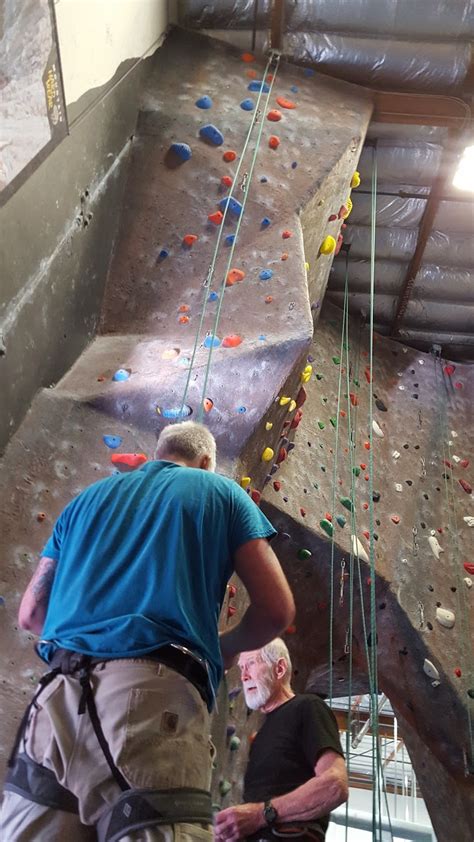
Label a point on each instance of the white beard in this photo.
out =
(256, 699)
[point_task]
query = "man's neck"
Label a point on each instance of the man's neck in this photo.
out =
(283, 694)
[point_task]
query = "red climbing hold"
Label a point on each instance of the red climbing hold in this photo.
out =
(342, 413)
(447, 463)
(268, 299)
(466, 486)
(270, 77)
(285, 103)
(366, 534)
(458, 672)
(232, 589)
(362, 466)
(274, 115)
(296, 420)
(332, 217)
(328, 517)
(282, 455)
(277, 485)
(216, 217)
(231, 609)
(232, 341)
(207, 404)
(366, 477)
(464, 463)
(302, 512)
(365, 506)
(226, 180)
(367, 445)
(234, 277)
(449, 370)
(301, 397)
(395, 519)
(354, 399)
(230, 155)
(367, 374)
(189, 239)
(273, 141)
(286, 234)
(183, 320)
(132, 460)
(458, 385)
(256, 496)
(247, 57)
(469, 567)
(183, 308)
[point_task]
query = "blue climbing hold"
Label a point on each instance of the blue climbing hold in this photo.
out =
(229, 239)
(263, 179)
(241, 409)
(2, 600)
(294, 89)
(121, 374)
(213, 296)
(184, 361)
(176, 412)
(265, 222)
(204, 102)
(294, 165)
(262, 337)
(211, 134)
(211, 341)
(309, 71)
(182, 150)
(247, 105)
(112, 441)
(234, 206)
(265, 274)
(258, 86)
(163, 254)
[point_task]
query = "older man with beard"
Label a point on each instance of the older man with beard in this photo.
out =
(296, 772)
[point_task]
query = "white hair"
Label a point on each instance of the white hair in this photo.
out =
(189, 440)
(273, 651)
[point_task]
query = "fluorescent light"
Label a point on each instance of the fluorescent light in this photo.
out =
(464, 176)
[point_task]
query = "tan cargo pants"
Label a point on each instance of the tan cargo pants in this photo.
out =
(157, 728)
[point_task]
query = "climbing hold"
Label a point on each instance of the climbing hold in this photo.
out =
(292, 406)
(207, 404)
(336, 360)
(380, 405)
(112, 441)
(216, 217)
(247, 104)
(333, 422)
(321, 425)
(458, 672)
(268, 426)
(303, 555)
(354, 399)
(247, 57)
(328, 245)
(229, 239)
(347, 503)
(213, 296)
(465, 485)
(40, 517)
(204, 102)
(183, 308)
(274, 115)
(355, 180)
(268, 454)
(297, 419)
(245, 482)
(273, 141)
(133, 460)
(398, 487)
(121, 374)
(263, 179)
(231, 204)
(183, 320)
(358, 550)
(356, 471)
(367, 445)
(395, 454)
(226, 181)
(163, 254)
(294, 89)
(293, 167)
(256, 496)
(265, 222)
(327, 526)
(445, 618)
(234, 743)
(231, 610)
(464, 463)
(231, 341)
(265, 274)
(234, 277)
(181, 150)
(469, 520)
(467, 581)
(340, 520)
(277, 485)
(268, 299)
(449, 370)
(285, 103)
(430, 670)
(241, 410)
(305, 375)
(436, 548)
(229, 155)
(367, 374)
(258, 86)
(189, 240)
(211, 341)
(224, 787)
(284, 401)
(469, 567)
(377, 430)
(211, 134)
(395, 518)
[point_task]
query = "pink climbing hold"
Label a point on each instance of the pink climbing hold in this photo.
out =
(274, 115)
(232, 341)
(449, 370)
(395, 518)
(132, 460)
(458, 385)
(464, 484)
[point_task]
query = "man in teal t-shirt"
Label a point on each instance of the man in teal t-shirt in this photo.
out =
(126, 599)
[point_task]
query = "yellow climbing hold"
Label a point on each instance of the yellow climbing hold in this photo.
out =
(268, 454)
(283, 401)
(348, 205)
(292, 406)
(268, 426)
(305, 375)
(355, 180)
(328, 245)
(245, 482)
(306, 266)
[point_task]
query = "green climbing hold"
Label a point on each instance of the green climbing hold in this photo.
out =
(356, 471)
(224, 787)
(304, 554)
(346, 347)
(356, 382)
(324, 400)
(234, 743)
(327, 526)
(321, 425)
(341, 520)
(336, 360)
(346, 502)
(333, 421)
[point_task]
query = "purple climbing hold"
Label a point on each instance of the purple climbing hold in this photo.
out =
(211, 134)
(294, 165)
(247, 104)
(256, 85)
(230, 730)
(234, 206)
(181, 150)
(204, 102)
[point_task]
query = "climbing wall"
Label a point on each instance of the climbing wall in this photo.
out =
(422, 510)
(266, 278)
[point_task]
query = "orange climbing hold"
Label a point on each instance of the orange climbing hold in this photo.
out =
(247, 57)
(189, 239)
(284, 256)
(269, 299)
(273, 141)
(132, 460)
(207, 404)
(232, 341)
(251, 73)
(285, 103)
(229, 155)
(367, 445)
(183, 308)
(226, 181)
(362, 466)
(234, 277)
(216, 217)
(183, 320)
(274, 115)
(354, 399)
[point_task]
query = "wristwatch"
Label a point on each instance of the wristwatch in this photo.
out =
(269, 813)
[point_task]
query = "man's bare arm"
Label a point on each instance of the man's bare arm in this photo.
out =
(35, 600)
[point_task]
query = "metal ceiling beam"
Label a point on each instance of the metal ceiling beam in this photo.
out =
(420, 109)
(438, 189)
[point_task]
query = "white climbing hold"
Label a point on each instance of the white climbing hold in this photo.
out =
(358, 549)
(402, 388)
(377, 430)
(469, 520)
(436, 548)
(445, 618)
(430, 670)
(421, 362)
(456, 458)
(467, 581)
(395, 454)
(454, 434)
(398, 487)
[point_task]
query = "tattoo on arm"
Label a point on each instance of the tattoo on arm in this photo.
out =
(42, 581)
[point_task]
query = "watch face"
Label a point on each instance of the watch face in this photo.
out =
(270, 813)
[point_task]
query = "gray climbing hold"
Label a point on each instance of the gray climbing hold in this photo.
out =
(377, 430)
(436, 548)
(430, 670)
(445, 618)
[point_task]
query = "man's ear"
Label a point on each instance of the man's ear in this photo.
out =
(205, 463)
(281, 668)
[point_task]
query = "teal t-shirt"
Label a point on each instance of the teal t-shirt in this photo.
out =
(143, 561)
